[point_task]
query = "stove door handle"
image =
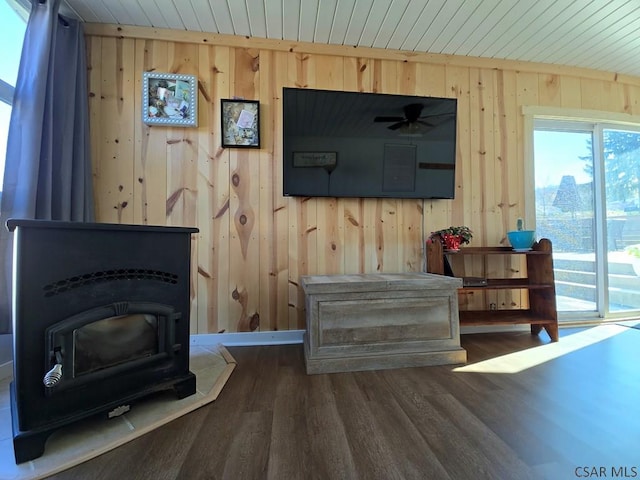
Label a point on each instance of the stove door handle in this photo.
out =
(53, 376)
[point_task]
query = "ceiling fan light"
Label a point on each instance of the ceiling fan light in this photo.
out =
(410, 129)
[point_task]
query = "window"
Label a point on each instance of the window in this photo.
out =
(13, 22)
(587, 202)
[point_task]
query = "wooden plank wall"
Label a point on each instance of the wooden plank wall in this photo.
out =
(254, 244)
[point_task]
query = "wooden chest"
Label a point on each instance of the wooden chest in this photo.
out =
(378, 321)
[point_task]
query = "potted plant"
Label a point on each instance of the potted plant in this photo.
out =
(634, 252)
(452, 237)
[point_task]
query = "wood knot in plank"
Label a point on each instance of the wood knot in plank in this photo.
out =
(204, 92)
(203, 272)
(254, 321)
(222, 210)
(172, 200)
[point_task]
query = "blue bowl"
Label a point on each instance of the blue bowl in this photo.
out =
(522, 239)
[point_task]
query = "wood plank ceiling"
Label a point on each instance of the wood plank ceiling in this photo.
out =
(596, 34)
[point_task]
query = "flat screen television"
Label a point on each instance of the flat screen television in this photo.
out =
(352, 144)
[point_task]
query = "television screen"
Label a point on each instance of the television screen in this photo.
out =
(352, 144)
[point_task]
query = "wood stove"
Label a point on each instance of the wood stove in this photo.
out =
(100, 320)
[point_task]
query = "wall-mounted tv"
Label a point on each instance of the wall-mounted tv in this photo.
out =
(352, 144)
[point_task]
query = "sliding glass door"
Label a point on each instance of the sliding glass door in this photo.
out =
(587, 202)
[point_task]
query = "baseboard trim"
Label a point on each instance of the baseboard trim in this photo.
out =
(243, 339)
(287, 337)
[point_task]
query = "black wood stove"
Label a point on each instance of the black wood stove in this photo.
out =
(100, 319)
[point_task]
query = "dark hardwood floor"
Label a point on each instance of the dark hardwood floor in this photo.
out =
(511, 417)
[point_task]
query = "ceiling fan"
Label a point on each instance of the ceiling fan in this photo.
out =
(412, 118)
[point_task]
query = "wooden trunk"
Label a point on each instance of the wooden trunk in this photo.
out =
(376, 321)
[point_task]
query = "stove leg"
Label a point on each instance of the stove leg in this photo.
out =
(185, 387)
(29, 447)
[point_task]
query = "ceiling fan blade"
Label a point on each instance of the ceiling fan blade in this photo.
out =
(426, 124)
(396, 126)
(388, 119)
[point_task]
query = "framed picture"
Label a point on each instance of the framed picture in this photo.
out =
(240, 123)
(169, 99)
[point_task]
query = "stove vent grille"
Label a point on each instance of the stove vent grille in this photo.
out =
(80, 281)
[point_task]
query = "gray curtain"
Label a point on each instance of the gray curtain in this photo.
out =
(48, 167)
